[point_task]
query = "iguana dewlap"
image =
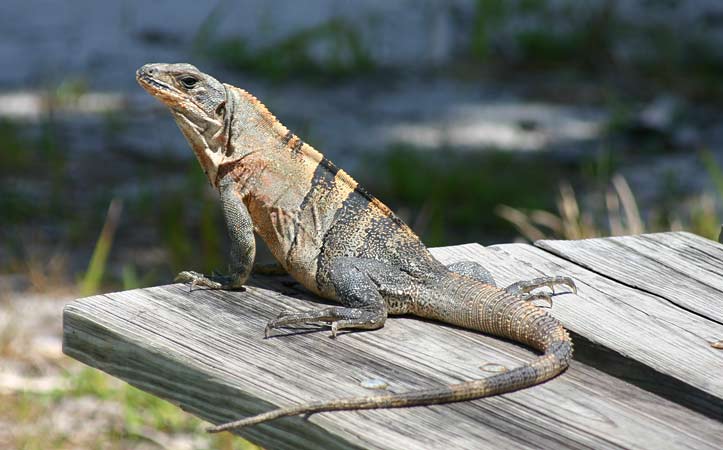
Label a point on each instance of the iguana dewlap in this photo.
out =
(341, 243)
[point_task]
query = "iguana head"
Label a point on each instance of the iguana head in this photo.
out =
(198, 103)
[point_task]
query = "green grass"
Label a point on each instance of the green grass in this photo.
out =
(615, 210)
(586, 46)
(184, 221)
(488, 16)
(715, 172)
(140, 412)
(93, 276)
(14, 155)
(140, 409)
(193, 238)
(296, 56)
(18, 155)
(38, 194)
(689, 65)
(449, 197)
(31, 156)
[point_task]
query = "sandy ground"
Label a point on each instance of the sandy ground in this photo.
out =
(35, 379)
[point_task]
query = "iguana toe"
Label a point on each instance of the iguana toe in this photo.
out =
(212, 282)
(539, 296)
(523, 287)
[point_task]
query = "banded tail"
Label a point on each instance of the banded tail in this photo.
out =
(498, 313)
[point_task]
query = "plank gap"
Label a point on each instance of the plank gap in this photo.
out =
(539, 244)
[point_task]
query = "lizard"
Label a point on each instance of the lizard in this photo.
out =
(342, 244)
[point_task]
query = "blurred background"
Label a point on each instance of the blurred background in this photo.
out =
(477, 121)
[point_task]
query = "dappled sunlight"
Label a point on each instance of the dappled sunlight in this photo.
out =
(34, 105)
(511, 125)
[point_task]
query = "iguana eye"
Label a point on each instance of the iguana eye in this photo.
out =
(189, 82)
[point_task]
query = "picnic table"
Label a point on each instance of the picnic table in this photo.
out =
(644, 375)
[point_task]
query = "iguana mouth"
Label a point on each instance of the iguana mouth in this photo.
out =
(146, 79)
(157, 88)
(174, 98)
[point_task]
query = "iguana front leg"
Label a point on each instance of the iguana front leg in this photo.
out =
(522, 289)
(243, 245)
(356, 282)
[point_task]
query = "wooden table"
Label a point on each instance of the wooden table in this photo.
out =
(644, 375)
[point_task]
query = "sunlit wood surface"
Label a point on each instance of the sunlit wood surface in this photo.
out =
(645, 374)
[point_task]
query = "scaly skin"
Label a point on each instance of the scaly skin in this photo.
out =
(341, 243)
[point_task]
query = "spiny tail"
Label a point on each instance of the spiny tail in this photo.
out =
(496, 312)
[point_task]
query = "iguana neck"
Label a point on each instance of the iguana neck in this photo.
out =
(250, 128)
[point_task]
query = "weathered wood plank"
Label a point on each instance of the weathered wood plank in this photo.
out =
(638, 325)
(205, 351)
(682, 268)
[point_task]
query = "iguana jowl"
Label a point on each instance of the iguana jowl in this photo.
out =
(341, 243)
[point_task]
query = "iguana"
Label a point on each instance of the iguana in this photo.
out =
(341, 243)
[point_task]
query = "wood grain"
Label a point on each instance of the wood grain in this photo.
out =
(638, 325)
(682, 268)
(205, 351)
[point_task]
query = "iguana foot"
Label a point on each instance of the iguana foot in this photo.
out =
(338, 316)
(357, 282)
(215, 281)
(523, 288)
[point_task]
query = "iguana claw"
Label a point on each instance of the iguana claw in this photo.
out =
(523, 288)
(212, 282)
(539, 296)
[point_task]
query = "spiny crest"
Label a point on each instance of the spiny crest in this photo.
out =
(315, 155)
(277, 126)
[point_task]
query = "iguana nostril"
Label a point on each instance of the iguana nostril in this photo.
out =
(147, 70)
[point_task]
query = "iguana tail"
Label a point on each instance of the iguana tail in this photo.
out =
(474, 305)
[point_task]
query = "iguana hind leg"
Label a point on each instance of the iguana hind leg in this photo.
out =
(243, 244)
(357, 290)
(521, 289)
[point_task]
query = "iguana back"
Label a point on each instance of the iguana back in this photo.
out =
(307, 210)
